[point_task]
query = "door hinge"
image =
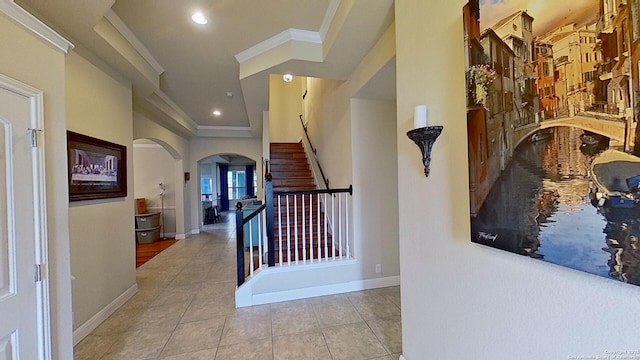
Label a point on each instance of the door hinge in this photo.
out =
(34, 136)
(38, 273)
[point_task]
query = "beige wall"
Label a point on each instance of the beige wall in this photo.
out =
(30, 60)
(285, 107)
(152, 166)
(461, 300)
(375, 184)
(101, 231)
(329, 124)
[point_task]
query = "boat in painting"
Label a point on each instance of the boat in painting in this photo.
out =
(616, 180)
(541, 135)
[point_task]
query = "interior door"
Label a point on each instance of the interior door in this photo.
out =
(21, 324)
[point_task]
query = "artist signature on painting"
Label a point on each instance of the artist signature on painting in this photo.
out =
(487, 236)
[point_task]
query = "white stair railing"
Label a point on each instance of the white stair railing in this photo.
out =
(313, 226)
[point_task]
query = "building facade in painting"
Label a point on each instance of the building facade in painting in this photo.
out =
(516, 30)
(500, 108)
(545, 80)
(575, 55)
(476, 121)
(615, 33)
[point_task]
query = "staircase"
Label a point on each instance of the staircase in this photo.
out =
(289, 168)
(291, 172)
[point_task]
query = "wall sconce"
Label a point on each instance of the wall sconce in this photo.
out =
(287, 78)
(424, 136)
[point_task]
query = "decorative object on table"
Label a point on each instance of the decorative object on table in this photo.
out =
(97, 168)
(141, 206)
(540, 186)
(423, 135)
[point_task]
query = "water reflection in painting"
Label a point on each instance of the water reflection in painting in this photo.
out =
(542, 207)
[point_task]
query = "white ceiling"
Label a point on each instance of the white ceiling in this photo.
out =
(182, 71)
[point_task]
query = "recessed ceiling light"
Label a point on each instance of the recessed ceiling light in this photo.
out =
(217, 112)
(199, 18)
(287, 78)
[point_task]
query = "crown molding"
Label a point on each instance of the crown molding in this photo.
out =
(37, 27)
(328, 18)
(224, 132)
(294, 35)
(277, 40)
(224, 128)
(124, 30)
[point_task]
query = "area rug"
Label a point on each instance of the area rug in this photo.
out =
(146, 252)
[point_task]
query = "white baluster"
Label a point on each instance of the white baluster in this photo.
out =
(251, 247)
(340, 227)
(311, 227)
(279, 232)
(326, 240)
(304, 233)
(260, 238)
(319, 233)
(333, 226)
(346, 198)
(288, 232)
(295, 225)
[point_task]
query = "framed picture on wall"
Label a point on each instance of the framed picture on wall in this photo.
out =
(553, 89)
(97, 169)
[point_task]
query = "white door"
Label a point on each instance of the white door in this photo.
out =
(23, 333)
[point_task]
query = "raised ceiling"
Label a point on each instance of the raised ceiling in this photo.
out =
(182, 71)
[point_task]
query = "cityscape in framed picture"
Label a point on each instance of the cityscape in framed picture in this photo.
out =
(553, 99)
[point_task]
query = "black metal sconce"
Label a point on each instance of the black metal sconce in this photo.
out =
(424, 137)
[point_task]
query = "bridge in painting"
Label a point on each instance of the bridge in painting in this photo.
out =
(613, 126)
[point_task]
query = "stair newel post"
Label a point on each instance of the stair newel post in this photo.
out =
(240, 242)
(268, 196)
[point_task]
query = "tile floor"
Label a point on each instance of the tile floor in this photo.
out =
(184, 310)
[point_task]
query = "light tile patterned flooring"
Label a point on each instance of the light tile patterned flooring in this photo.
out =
(184, 310)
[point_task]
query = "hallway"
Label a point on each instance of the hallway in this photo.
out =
(184, 310)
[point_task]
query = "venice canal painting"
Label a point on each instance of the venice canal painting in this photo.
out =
(553, 100)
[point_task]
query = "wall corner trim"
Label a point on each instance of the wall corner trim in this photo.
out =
(37, 27)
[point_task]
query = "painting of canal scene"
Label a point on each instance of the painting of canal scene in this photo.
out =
(553, 101)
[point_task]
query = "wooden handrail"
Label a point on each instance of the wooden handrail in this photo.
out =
(315, 154)
(252, 215)
(314, 192)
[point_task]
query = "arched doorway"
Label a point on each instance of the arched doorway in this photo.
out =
(224, 180)
(158, 178)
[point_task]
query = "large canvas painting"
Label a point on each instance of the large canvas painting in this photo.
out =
(553, 100)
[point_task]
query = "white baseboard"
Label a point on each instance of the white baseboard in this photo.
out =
(195, 231)
(244, 297)
(180, 236)
(85, 329)
(324, 290)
